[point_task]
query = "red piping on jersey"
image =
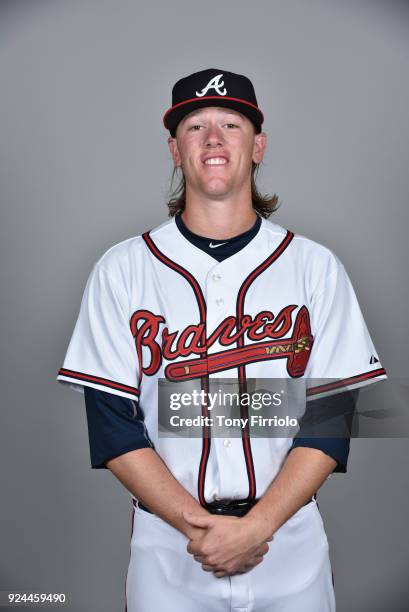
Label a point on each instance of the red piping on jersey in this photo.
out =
(240, 343)
(345, 382)
(100, 381)
(204, 380)
(189, 277)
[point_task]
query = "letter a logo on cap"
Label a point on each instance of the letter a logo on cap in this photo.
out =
(214, 83)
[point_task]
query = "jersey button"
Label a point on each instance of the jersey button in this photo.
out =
(226, 443)
(219, 301)
(216, 276)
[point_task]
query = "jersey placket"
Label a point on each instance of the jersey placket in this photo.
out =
(227, 452)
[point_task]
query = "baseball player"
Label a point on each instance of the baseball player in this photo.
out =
(220, 524)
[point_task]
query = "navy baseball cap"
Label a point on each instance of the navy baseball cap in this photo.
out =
(213, 87)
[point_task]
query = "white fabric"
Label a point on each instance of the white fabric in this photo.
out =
(294, 576)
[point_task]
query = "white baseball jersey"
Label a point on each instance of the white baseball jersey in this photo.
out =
(155, 306)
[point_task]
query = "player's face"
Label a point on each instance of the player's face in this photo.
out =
(216, 147)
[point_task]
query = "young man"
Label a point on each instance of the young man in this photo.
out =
(219, 291)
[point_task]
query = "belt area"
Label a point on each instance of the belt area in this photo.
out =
(230, 507)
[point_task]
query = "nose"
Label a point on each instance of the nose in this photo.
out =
(213, 136)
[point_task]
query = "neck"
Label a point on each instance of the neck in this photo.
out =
(219, 219)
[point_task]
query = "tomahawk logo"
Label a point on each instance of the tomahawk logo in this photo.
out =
(215, 84)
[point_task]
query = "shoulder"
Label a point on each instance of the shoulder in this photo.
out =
(126, 254)
(118, 258)
(122, 264)
(309, 254)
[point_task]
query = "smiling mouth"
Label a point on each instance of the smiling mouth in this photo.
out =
(216, 161)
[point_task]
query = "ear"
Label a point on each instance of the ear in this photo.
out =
(174, 151)
(260, 143)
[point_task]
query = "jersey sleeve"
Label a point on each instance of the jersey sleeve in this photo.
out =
(101, 352)
(343, 355)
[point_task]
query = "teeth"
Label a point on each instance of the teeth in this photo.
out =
(215, 161)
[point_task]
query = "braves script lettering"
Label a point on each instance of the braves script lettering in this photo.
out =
(172, 345)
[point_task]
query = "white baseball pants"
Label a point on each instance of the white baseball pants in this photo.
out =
(294, 576)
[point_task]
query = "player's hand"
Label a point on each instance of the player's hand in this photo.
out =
(240, 564)
(229, 546)
(194, 532)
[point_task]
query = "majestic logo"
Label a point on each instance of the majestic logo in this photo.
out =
(264, 331)
(215, 84)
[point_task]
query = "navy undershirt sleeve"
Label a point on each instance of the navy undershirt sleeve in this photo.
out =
(115, 426)
(329, 419)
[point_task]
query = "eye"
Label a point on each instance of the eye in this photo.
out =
(193, 127)
(231, 124)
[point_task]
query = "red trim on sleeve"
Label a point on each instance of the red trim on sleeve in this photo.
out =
(98, 380)
(345, 382)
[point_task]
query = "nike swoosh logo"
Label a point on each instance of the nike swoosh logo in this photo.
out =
(214, 246)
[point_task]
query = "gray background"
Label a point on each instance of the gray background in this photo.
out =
(84, 164)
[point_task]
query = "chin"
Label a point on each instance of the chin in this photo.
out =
(216, 189)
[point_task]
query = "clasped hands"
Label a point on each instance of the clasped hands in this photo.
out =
(225, 545)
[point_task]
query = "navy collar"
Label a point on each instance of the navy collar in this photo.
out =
(219, 249)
